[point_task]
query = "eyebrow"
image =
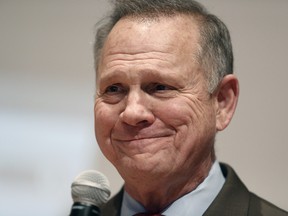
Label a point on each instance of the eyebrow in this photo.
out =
(151, 73)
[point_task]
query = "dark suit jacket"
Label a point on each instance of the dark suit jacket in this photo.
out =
(234, 199)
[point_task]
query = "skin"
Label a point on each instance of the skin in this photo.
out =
(154, 118)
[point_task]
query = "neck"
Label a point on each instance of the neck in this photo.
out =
(157, 195)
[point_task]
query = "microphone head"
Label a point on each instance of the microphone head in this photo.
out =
(90, 187)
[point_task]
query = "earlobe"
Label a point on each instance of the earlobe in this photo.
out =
(226, 98)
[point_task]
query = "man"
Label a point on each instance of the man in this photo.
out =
(165, 87)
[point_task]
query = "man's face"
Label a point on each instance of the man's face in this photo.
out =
(153, 114)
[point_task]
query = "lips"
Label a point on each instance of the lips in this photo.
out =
(123, 134)
(129, 138)
(134, 147)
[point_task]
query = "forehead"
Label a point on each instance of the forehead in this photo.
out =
(132, 34)
(173, 39)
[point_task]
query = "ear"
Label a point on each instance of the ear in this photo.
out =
(226, 101)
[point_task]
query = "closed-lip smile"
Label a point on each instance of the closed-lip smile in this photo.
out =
(139, 137)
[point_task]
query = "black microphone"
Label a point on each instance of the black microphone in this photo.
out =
(90, 190)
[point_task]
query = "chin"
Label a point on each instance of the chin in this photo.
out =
(140, 166)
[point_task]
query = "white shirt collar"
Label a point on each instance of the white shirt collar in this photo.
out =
(196, 202)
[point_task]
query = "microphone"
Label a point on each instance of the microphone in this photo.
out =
(90, 190)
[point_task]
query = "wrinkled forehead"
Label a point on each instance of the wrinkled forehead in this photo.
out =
(173, 34)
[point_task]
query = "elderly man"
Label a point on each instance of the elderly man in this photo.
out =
(165, 87)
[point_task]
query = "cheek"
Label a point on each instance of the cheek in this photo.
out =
(175, 113)
(195, 126)
(105, 119)
(104, 122)
(191, 119)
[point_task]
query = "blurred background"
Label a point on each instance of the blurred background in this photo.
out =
(47, 88)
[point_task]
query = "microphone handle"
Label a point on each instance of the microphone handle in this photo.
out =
(83, 209)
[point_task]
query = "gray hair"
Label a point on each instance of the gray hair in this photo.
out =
(215, 54)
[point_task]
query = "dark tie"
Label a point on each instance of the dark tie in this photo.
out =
(148, 214)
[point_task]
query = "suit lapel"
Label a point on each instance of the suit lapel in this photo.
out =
(233, 198)
(113, 207)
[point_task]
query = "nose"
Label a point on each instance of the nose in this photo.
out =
(137, 111)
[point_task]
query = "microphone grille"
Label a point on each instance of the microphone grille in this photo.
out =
(91, 187)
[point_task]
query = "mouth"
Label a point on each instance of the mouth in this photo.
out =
(131, 141)
(139, 137)
(142, 141)
(130, 145)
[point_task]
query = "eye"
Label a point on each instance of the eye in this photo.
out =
(158, 87)
(113, 94)
(115, 88)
